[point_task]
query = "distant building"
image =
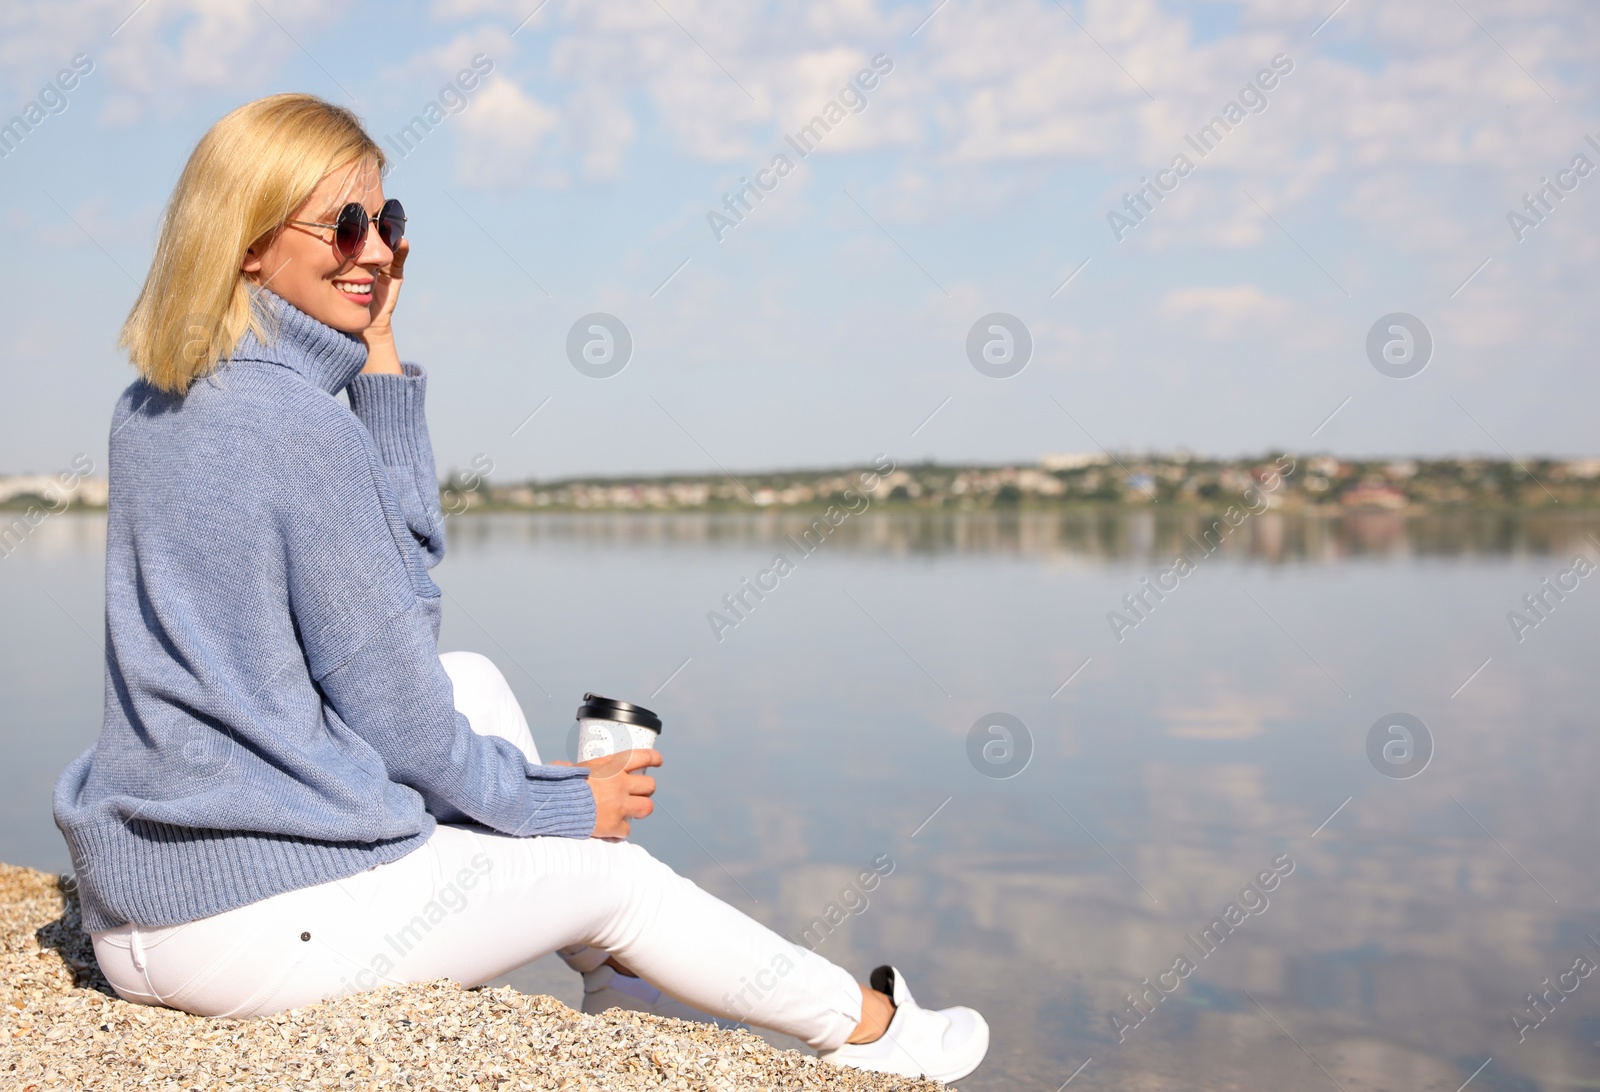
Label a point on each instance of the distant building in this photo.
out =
(1373, 495)
(56, 489)
(1073, 461)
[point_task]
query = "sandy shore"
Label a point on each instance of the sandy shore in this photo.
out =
(63, 1028)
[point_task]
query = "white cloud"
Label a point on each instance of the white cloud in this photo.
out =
(600, 128)
(989, 84)
(424, 72)
(502, 134)
(1226, 312)
(151, 54)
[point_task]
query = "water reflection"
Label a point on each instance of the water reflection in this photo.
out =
(1098, 534)
(1225, 733)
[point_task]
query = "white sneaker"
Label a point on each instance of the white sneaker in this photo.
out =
(944, 1044)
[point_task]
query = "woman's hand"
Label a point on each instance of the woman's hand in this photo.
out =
(620, 795)
(379, 334)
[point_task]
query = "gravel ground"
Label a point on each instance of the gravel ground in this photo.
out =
(62, 1027)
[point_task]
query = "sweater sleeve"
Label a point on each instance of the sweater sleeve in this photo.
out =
(394, 694)
(360, 603)
(391, 406)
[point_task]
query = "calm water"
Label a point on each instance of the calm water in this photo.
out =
(830, 727)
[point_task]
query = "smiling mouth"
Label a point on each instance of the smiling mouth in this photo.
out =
(355, 288)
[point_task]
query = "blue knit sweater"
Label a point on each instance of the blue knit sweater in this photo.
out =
(276, 715)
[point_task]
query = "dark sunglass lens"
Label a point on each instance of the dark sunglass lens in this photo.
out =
(392, 223)
(352, 231)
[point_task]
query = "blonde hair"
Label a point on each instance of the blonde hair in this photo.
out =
(247, 176)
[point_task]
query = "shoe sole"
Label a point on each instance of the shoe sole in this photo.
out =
(971, 1060)
(960, 1067)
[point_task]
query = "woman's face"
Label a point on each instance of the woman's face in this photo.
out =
(299, 263)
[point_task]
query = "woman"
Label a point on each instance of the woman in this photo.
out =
(293, 795)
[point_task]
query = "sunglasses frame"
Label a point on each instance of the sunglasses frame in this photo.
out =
(354, 211)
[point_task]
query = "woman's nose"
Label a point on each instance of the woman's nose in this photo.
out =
(374, 252)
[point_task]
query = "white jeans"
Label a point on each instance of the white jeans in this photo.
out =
(471, 905)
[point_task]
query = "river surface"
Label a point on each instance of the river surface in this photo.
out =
(1362, 717)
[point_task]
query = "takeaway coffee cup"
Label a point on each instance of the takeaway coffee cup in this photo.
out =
(606, 726)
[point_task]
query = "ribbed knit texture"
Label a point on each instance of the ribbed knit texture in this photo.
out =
(275, 712)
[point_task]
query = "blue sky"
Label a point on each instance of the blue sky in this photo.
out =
(831, 322)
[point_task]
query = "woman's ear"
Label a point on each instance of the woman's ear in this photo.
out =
(256, 253)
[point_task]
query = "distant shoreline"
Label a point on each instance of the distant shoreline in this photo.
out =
(1320, 484)
(1321, 511)
(1056, 482)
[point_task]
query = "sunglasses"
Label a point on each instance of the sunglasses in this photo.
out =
(350, 232)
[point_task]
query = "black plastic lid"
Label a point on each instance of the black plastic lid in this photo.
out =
(610, 709)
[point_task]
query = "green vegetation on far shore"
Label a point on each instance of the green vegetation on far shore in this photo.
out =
(1286, 481)
(1316, 482)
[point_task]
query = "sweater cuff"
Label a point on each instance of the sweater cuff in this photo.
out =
(391, 406)
(567, 810)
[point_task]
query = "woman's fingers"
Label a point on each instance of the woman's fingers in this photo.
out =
(621, 797)
(397, 264)
(639, 759)
(621, 762)
(606, 766)
(386, 287)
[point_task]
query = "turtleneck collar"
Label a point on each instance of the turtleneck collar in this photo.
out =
(325, 357)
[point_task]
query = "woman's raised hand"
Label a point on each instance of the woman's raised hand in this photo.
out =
(386, 281)
(379, 335)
